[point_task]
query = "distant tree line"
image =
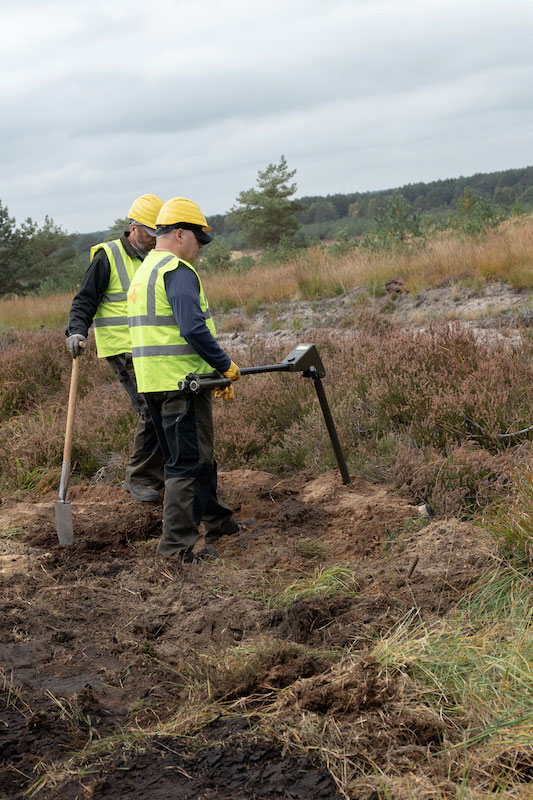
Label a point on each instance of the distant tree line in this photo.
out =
(45, 258)
(356, 214)
(503, 188)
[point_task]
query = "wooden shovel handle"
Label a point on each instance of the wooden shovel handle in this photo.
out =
(70, 411)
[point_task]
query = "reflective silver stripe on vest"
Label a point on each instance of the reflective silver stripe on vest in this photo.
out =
(151, 318)
(142, 320)
(136, 322)
(150, 297)
(114, 298)
(163, 350)
(105, 322)
(120, 265)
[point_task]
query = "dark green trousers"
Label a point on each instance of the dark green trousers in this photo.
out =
(184, 425)
(146, 462)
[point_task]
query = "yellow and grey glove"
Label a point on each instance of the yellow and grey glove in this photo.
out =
(233, 372)
(226, 394)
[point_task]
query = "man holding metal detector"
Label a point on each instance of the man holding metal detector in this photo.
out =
(173, 335)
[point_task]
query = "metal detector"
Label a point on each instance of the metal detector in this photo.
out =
(305, 359)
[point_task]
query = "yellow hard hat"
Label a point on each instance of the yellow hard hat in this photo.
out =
(145, 210)
(179, 209)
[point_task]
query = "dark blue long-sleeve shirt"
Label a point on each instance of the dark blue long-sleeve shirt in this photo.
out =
(183, 292)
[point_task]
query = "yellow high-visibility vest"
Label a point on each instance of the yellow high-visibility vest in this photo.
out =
(111, 330)
(161, 356)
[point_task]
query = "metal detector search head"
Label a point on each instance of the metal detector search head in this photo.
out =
(302, 358)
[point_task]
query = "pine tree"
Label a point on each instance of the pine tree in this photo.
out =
(267, 214)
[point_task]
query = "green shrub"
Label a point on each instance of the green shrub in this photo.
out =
(242, 264)
(67, 278)
(216, 257)
(475, 214)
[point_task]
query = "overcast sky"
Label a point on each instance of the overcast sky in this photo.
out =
(102, 101)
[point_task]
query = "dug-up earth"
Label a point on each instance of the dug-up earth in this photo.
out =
(129, 676)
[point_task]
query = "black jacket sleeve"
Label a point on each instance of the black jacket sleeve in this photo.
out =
(89, 294)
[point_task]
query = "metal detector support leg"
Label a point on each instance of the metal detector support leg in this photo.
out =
(330, 425)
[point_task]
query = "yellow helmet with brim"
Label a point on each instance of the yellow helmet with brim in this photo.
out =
(144, 211)
(183, 213)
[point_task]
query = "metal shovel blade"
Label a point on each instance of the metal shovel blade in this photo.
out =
(65, 530)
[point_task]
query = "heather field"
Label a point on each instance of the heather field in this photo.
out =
(367, 641)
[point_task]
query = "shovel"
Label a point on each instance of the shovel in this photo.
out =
(65, 531)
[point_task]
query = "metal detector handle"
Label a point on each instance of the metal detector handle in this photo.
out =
(246, 371)
(215, 383)
(266, 368)
(199, 383)
(215, 380)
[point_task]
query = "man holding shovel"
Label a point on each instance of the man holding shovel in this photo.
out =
(102, 300)
(173, 334)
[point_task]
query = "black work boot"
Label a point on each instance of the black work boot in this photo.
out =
(233, 527)
(208, 553)
(142, 492)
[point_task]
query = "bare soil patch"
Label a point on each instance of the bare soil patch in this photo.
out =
(104, 639)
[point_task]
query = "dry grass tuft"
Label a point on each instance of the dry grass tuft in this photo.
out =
(502, 254)
(34, 313)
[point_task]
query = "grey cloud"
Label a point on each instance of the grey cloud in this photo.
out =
(195, 97)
